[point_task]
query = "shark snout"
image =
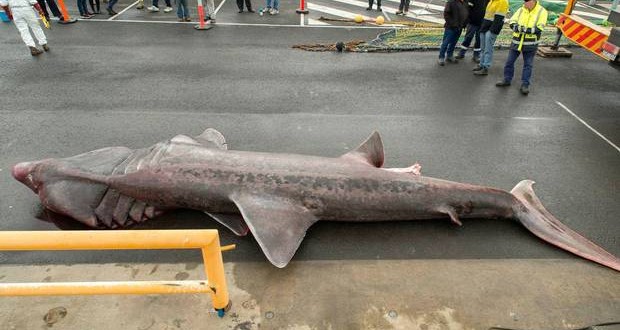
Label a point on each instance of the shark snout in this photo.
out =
(23, 173)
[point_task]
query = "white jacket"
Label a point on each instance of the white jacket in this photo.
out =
(18, 3)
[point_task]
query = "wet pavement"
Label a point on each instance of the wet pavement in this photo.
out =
(135, 83)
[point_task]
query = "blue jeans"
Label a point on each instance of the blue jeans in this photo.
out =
(486, 48)
(182, 10)
(473, 31)
(82, 7)
(275, 4)
(528, 64)
(111, 4)
(156, 2)
(450, 38)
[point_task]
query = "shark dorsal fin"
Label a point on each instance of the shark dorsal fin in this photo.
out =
(370, 151)
(278, 224)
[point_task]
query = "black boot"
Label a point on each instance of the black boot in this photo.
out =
(46, 47)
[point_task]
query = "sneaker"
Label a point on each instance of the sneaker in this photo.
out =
(86, 16)
(111, 12)
(451, 60)
(369, 8)
(168, 9)
(46, 47)
(140, 5)
(441, 62)
(482, 72)
(34, 51)
(459, 56)
(503, 83)
(250, 10)
(152, 9)
(398, 13)
(187, 19)
(181, 20)
(524, 89)
(477, 68)
(274, 12)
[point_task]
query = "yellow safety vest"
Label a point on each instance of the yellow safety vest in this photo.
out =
(528, 19)
(496, 7)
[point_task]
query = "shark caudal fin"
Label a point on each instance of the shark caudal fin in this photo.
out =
(543, 224)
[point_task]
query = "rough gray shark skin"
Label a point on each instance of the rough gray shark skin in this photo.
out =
(277, 197)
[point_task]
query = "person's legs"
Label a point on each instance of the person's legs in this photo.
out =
(33, 23)
(248, 6)
(54, 8)
(240, 5)
(378, 4)
(110, 7)
(22, 26)
(444, 43)
(407, 2)
(276, 4)
(487, 57)
(210, 9)
(477, 44)
(44, 8)
(528, 65)
(469, 35)
(82, 7)
(456, 33)
(509, 67)
(370, 2)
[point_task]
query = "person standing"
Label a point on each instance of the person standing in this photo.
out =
(248, 5)
(24, 17)
(370, 3)
(527, 25)
(403, 7)
(455, 14)
(476, 14)
(491, 27)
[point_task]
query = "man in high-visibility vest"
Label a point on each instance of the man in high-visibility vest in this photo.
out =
(527, 25)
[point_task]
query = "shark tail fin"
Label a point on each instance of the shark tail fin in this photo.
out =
(533, 215)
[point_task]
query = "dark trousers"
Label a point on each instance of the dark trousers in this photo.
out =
(92, 5)
(111, 4)
(370, 2)
(248, 4)
(528, 64)
(404, 5)
(473, 31)
(450, 38)
(53, 8)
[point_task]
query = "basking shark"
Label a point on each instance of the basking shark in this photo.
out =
(276, 197)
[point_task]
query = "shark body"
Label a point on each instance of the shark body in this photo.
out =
(276, 197)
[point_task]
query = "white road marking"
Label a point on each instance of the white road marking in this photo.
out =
(218, 7)
(422, 5)
(588, 126)
(334, 11)
(377, 27)
(122, 11)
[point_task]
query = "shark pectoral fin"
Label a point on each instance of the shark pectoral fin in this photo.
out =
(449, 210)
(278, 225)
(234, 222)
(369, 152)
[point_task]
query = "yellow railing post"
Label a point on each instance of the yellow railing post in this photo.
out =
(214, 268)
(206, 240)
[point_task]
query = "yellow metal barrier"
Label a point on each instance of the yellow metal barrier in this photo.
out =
(206, 240)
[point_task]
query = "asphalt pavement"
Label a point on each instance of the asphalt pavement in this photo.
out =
(133, 84)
